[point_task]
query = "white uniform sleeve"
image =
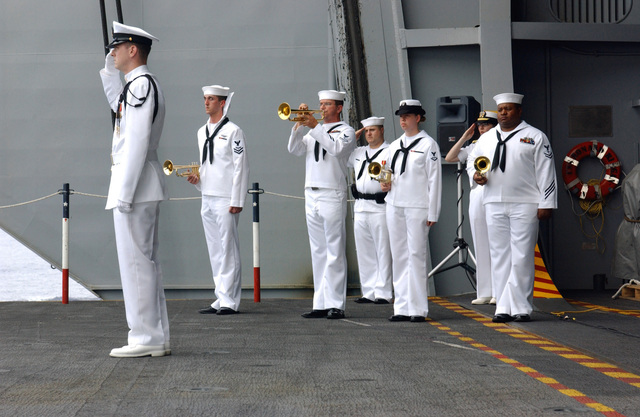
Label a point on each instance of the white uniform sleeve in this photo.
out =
(343, 145)
(137, 135)
(546, 175)
(112, 85)
(296, 145)
(433, 169)
(240, 169)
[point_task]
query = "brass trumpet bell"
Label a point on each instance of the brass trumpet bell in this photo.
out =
(181, 170)
(285, 112)
(482, 165)
(379, 173)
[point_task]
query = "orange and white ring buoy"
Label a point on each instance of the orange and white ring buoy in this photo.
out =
(608, 159)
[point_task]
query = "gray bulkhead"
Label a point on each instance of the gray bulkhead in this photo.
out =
(56, 124)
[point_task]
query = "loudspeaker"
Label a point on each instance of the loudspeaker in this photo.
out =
(454, 115)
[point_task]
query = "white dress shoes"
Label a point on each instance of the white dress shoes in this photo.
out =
(138, 351)
(493, 301)
(481, 300)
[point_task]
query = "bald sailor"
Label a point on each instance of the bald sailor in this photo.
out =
(136, 189)
(370, 221)
(223, 180)
(326, 148)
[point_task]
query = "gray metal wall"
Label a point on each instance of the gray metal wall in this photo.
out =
(56, 125)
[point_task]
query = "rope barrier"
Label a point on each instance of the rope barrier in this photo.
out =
(104, 196)
(31, 201)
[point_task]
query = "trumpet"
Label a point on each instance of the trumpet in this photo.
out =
(285, 112)
(379, 173)
(482, 164)
(181, 170)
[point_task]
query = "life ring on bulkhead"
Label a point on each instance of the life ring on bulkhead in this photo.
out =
(609, 160)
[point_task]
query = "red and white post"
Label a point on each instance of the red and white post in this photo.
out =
(256, 191)
(65, 243)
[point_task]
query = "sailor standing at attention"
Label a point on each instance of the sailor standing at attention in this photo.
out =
(370, 219)
(519, 191)
(326, 147)
(223, 180)
(413, 206)
(136, 189)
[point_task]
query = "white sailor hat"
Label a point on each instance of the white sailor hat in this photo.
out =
(123, 33)
(410, 106)
(373, 121)
(215, 90)
(488, 116)
(331, 95)
(508, 98)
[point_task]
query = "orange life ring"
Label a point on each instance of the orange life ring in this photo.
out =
(608, 159)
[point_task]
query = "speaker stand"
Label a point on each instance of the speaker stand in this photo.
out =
(459, 244)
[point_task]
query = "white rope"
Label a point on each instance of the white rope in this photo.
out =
(104, 196)
(29, 202)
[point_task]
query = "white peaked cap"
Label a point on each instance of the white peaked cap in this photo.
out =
(215, 90)
(331, 95)
(124, 33)
(508, 98)
(487, 114)
(373, 121)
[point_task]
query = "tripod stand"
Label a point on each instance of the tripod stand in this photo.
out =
(459, 244)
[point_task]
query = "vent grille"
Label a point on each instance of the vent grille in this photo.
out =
(590, 11)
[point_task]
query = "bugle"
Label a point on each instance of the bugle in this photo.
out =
(482, 164)
(285, 112)
(379, 173)
(181, 170)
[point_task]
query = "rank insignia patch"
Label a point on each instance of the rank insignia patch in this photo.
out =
(238, 149)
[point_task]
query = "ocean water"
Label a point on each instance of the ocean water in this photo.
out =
(27, 277)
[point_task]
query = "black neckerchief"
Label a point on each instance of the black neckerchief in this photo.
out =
(404, 151)
(367, 161)
(316, 149)
(209, 141)
(497, 160)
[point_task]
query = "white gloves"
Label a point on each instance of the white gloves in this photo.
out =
(124, 207)
(109, 64)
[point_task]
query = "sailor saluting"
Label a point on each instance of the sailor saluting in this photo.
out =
(137, 187)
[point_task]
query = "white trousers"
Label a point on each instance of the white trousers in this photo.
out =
(513, 231)
(480, 236)
(326, 211)
(144, 301)
(409, 239)
(374, 254)
(221, 232)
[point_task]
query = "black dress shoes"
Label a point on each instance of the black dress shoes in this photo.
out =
(225, 311)
(417, 319)
(380, 301)
(502, 318)
(315, 314)
(522, 317)
(208, 310)
(363, 300)
(335, 313)
(399, 317)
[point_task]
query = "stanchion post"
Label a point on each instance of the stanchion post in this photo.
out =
(256, 191)
(65, 243)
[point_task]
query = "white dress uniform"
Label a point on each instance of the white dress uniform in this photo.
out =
(479, 232)
(370, 227)
(137, 179)
(512, 199)
(414, 199)
(223, 184)
(326, 206)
